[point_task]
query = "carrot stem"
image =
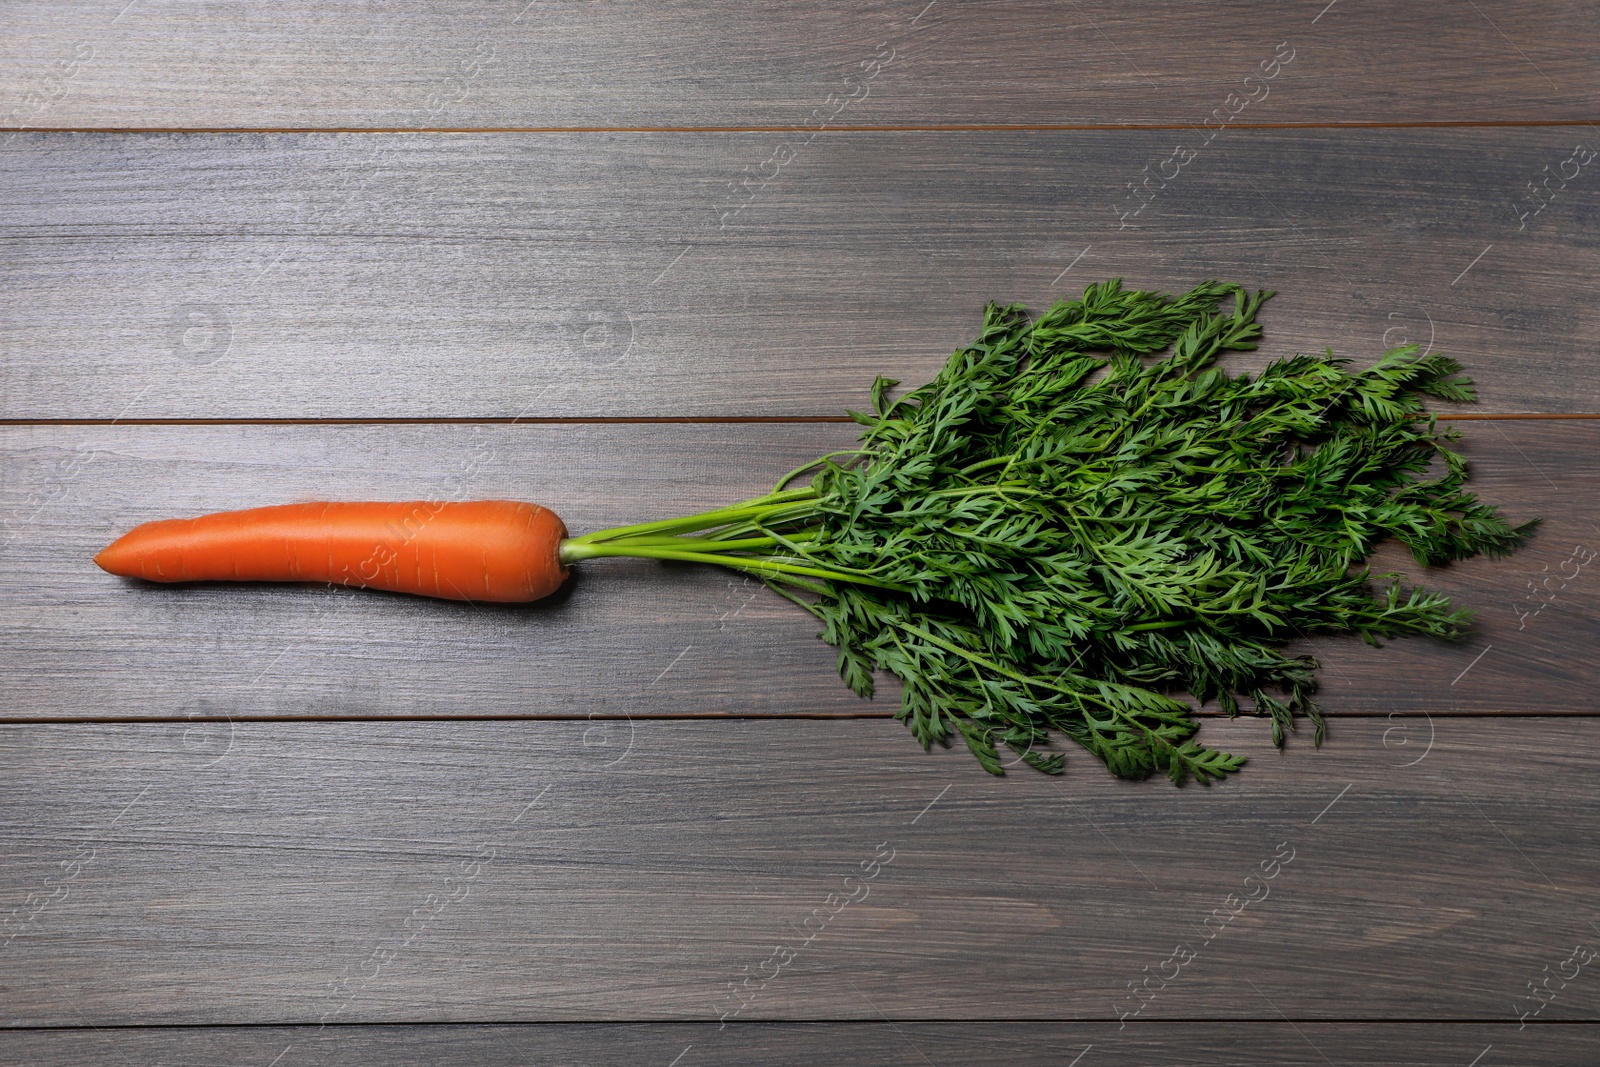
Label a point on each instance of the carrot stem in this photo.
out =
(771, 503)
(572, 552)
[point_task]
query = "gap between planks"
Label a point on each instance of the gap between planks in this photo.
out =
(953, 127)
(682, 716)
(635, 420)
(907, 1020)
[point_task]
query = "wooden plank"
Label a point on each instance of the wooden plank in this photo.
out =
(905, 1044)
(497, 64)
(355, 276)
(632, 638)
(500, 872)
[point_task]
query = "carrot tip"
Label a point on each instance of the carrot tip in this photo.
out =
(117, 558)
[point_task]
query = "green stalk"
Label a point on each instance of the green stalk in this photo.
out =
(573, 551)
(709, 544)
(819, 461)
(729, 543)
(704, 520)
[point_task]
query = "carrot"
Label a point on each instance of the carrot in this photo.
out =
(494, 550)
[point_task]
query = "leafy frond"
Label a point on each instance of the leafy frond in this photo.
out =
(1083, 523)
(1096, 547)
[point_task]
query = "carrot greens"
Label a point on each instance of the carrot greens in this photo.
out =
(1060, 537)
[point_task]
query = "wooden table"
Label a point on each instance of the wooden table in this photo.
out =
(632, 260)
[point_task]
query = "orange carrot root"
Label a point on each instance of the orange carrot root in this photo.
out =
(480, 550)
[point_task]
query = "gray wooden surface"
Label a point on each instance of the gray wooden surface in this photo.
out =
(902, 1044)
(571, 871)
(519, 63)
(286, 825)
(606, 274)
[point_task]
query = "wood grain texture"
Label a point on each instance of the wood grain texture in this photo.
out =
(632, 637)
(748, 210)
(902, 1044)
(613, 274)
(516, 63)
(492, 872)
